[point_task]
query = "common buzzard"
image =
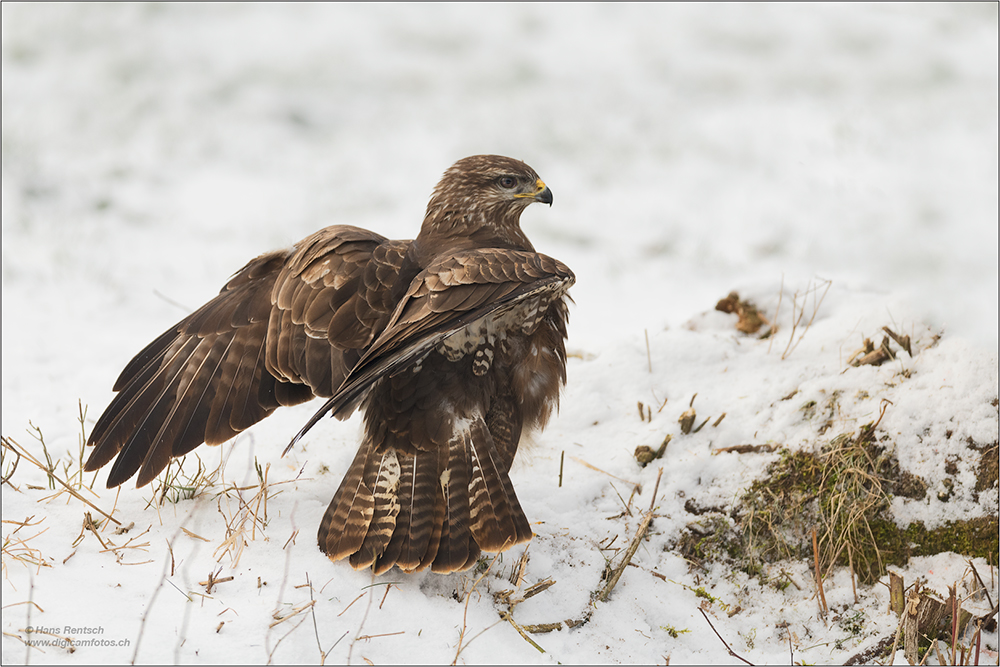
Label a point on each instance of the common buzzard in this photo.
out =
(452, 344)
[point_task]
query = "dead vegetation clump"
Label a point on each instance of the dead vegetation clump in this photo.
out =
(750, 318)
(838, 491)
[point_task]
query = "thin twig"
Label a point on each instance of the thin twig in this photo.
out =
(632, 547)
(505, 615)
(596, 469)
(312, 612)
(383, 634)
(731, 652)
(981, 582)
(465, 613)
(352, 602)
(979, 631)
(364, 618)
(792, 343)
(656, 487)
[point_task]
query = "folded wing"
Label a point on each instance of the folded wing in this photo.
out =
(441, 303)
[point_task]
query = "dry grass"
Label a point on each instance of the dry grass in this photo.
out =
(16, 548)
(244, 509)
(174, 484)
(800, 307)
(838, 492)
(12, 447)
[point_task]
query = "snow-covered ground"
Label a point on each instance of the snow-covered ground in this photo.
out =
(150, 150)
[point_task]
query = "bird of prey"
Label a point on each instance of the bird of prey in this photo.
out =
(452, 344)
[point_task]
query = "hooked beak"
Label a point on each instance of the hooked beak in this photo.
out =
(542, 192)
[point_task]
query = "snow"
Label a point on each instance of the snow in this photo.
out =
(149, 151)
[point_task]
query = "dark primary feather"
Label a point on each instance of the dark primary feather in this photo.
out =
(452, 345)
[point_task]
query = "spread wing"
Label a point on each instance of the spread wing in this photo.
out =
(442, 302)
(284, 329)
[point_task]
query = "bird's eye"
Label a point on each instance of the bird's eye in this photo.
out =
(507, 182)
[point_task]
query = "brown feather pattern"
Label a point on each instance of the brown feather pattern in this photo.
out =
(452, 344)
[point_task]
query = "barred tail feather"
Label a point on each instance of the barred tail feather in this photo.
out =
(434, 543)
(453, 463)
(383, 522)
(497, 522)
(415, 521)
(345, 524)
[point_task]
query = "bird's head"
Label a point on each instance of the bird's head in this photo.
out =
(484, 194)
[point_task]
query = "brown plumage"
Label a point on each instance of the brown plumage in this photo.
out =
(452, 344)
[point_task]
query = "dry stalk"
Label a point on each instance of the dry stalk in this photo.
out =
(350, 605)
(850, 561)
(981, 582)
(309, 605)
(953, 599)
(902, 341)
(50, 466)
(506, 615)
(731, 652)
(81, 417)
(635, 486)
(465, 612)
(517, 574)
(381, 634)
(801, 309)
(280, 618)
(616, 574)
(819, 577)
(213, 580)
(745, 449)
(895, 641)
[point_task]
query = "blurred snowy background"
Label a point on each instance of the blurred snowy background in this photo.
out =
(691, 149)
(149, 151)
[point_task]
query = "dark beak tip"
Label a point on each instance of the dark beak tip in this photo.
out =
(545, 196)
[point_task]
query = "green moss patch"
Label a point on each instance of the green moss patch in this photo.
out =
(843, 494)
